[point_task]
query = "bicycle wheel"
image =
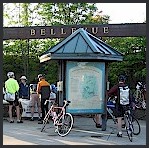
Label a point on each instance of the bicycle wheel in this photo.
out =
(45, 121)
(65, 124)
(129, 127)
(136, 126)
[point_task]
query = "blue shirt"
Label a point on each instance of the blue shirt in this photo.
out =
(24, 90)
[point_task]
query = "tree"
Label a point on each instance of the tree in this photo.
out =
(27, 52)
(134, 63)
(66, 13)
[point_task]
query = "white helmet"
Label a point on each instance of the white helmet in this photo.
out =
(40, 76)
(10, 74)
(23, 78)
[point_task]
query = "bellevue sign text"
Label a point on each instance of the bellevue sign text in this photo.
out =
(41, 32)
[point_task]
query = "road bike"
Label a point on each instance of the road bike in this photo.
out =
(63, 121)
(140, 96)
(129, 126)
(110, 114)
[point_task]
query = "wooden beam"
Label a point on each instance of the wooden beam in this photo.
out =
(102, 30)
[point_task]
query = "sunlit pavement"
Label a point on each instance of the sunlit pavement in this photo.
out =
(84, 132)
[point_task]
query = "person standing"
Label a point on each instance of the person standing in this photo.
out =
(12, 86)
(124, 100)
(34, 99)
(43, 89)
(24, 88)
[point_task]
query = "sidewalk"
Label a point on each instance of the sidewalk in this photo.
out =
(84, 132)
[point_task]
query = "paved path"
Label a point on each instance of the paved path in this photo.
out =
(84, 132)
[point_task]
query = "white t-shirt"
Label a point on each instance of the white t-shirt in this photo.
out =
(52, 95)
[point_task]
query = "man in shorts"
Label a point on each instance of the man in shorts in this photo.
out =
(12, 86)
(34, 99)
(121, 105)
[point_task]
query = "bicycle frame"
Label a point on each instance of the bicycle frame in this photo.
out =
(109, 108)
(128, 124)
(134, 121)
(139, 96)
(63, 121)
(62, 112)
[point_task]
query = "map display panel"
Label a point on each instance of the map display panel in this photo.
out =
(85, 85)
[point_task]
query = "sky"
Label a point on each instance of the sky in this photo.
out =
(124, 12)
(121, 12)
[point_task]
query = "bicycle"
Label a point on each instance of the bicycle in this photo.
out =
(128, 120)
(111, 110)
(63, 122)
(139, 95)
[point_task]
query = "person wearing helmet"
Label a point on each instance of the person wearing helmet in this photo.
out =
(43, 89)
(24, 88)
(124, 99)
(12, 86)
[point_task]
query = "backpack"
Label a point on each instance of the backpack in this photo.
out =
(124, 95)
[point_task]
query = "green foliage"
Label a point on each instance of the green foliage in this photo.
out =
(50, 69)
(10, 63)
(22, 56)
(66, 13)
(134, 63)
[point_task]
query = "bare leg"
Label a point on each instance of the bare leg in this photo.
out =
(98, 118)
(39, 111)
(32, 111)
(10, 112)
(18, 113)
(119, 124)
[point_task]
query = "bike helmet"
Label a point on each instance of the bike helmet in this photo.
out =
(33, 87)
(40, 75)
(10, 74)
(122, 78)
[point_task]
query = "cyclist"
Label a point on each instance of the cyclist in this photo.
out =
(42, 84)
(140, 95)
(124, 100)
(12, 86)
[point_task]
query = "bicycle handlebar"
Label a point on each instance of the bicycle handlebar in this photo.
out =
(65, 101)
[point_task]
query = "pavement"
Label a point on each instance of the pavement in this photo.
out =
(83, 132)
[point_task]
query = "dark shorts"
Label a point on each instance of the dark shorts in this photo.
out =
(120, 110)
(15, 102)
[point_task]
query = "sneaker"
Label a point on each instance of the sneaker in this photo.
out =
(19, 121)
(11, 121)
(32, 119)
(39, 119)
(119, 134)
(98, 125)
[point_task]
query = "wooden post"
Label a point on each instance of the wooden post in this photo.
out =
(61, 78)
(104, 115)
